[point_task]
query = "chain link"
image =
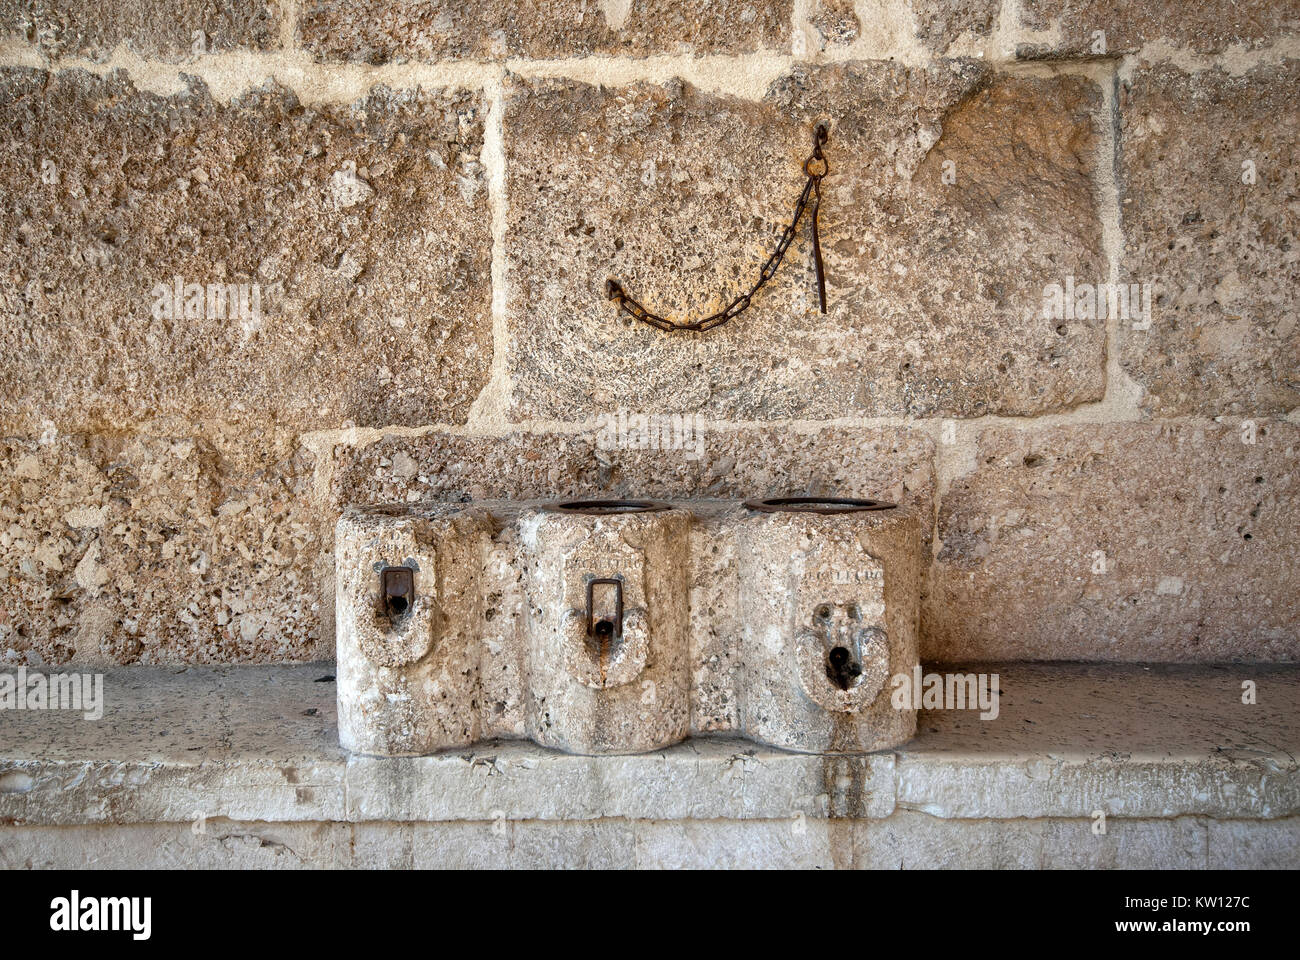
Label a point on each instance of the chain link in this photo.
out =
(812, 193)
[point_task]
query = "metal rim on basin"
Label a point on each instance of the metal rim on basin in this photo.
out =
(608, 507)
(824, 505)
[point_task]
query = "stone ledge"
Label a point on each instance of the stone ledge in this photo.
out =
(260, 743)
(904, 839)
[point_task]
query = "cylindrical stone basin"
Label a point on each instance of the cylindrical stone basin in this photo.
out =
(408, 673)
(830, 593)
(607, 590)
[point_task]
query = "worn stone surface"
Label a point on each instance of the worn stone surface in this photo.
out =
(221, 844)
(935, 288)
(1232, 843)
(1206, 26)
(496, 845)
(1195, 530)
(157, 549)
(1221, 253)
(885, 27)
(1181, 843)
(885, 464)
(702, 779)
(941, 23)
(165, 29)
(836, 22)
(379, 31)
(904, 840)
(260, 743)
(361, 226)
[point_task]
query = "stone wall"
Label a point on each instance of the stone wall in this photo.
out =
(420, 204)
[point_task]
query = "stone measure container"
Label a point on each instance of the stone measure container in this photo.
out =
(624, 626)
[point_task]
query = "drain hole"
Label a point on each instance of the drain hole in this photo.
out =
(816, 505)
(841, 669)
(603, 631)
(397, 605)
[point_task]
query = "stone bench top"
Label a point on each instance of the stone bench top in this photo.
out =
(260, 743)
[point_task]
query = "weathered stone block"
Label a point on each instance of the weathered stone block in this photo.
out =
(353, 238)
(164, 29)
(1207, 26)
(1209, 163)
(792, 844)
(159, 550)
(940, 23)
(576, 625)
(1137, 542)
(936, 24)
(379, 31)
(885, 464)
(213, 845)
(1178, 844)
(935, 287)
(1234, 844)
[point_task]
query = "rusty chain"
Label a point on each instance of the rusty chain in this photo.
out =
(814, 168)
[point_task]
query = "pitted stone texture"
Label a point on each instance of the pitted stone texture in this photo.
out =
(935, 290)
(379, 31)
(938, 25)
(836, 22)
(363, 227)
(941, 23)
(504, 636)
(163, 29)
(1206, 26)
(885, 464)
(892, 464)
(1195, 529)
(1221, 254)
(162, 550)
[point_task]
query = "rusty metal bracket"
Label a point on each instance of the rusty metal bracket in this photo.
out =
(397, 587)
(617, 624)
(814, 168)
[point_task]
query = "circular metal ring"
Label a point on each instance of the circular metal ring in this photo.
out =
(823, 505)
(826, 167)
(607, 506)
